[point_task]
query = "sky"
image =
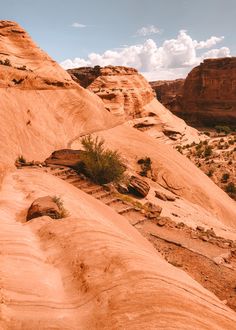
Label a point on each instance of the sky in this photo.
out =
(163, 39)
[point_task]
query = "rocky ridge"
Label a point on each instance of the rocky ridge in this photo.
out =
(127, 95)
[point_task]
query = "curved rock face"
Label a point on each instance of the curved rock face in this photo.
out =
(41, 108)
(123, 90)
(128, 95)
(209, 96)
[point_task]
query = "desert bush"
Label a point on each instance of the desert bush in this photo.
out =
(5, 62)
(225, 177)
(230, 188)
(146, 165)
(63, 212)
(99, 164)
(222, 129)
(21, 159)
(208, 151)
(210, 172)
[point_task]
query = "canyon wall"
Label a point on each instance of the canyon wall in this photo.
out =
(208, 94)
(169, 92)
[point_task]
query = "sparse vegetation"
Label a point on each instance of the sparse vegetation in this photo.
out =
(225, 177)
(63, 212)
(5, 62)
(146, 165)
(230, 188)
(21, 159)
(99, 164)
(222, 129)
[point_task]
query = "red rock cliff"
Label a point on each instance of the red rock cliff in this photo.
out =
(168, 91)
(209, 96)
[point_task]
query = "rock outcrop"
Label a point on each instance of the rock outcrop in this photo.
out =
(93, 269)
(65, 157)
(138, 186)
(43, 206)
(207, 97)
(123, 90)
(128, 95)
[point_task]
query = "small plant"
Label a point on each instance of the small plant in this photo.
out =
(23, 68)
(99, 164)
(222, 129)
(225, 177)
(230, 188)
(208, 151)
(146, 165)
(6, 62)
(21, 159)
(63, 212)
(210, 172)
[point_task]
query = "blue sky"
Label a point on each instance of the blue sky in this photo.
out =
(141, 33)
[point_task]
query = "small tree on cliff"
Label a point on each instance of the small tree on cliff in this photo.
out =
(99, 164)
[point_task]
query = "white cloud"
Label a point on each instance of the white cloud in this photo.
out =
(147, 31)
(208, 43)
(78, 25)
(173, 59)
(215, 53)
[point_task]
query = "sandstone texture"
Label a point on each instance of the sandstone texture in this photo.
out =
(128, 96)
(93, 269)
(207, 97)
(43, 206)
(45, 109)
(123, 90)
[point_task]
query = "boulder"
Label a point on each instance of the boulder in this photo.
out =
(153, 210)
(65, 157)
(138, 187)
(164, 196)
(43, 206)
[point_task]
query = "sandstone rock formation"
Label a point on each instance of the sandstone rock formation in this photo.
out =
(207, 97)
(169, 92)
(138, 187)
(43, 206)
(127, 95)
(49, 108)
(123, 90)
(65, 157)
(93, 269)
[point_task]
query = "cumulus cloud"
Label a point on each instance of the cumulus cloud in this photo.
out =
(147, 31)
(78, 25)
(208, 43)
(173, 59)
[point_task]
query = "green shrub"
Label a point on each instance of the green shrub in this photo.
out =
(99, 164)
(225, 177)
(63, 212)
(230, 188)
(208, 151)
(21, 159)
(222, 129)
(146, 165)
